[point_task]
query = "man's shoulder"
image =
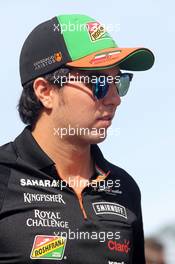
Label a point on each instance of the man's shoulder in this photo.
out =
(7, 160)
(7, 154)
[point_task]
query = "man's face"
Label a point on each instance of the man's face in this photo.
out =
(75, 107)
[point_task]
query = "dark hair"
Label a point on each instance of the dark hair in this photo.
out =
(29, 107)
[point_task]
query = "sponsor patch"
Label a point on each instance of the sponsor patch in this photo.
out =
(123, 247)
(109, 208)
(96, 31)
(36, 197)
(110, 191)
(46, 219)
(40, 183)
(106, 56)
(48, 247)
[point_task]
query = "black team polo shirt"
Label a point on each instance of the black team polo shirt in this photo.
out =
(42, 220)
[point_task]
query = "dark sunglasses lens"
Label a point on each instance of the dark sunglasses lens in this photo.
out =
(100, 87)
(124, 83)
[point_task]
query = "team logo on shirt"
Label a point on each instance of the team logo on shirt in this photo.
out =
(109, 208)
(48, 247)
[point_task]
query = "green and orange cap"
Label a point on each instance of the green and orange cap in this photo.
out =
(76, 41)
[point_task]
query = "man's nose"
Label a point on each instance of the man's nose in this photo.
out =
(112, 96)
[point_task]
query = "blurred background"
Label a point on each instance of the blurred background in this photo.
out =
(142, 137)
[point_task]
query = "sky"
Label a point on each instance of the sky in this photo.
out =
(142, 137)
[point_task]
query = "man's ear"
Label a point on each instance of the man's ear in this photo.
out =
(44, 92)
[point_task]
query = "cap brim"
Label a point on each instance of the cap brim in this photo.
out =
(134, 59)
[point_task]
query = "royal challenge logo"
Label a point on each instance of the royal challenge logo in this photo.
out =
(48, 247)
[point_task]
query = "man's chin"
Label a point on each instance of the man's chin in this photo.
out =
(97, 139)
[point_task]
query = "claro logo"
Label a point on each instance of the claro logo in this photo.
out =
(119, 247)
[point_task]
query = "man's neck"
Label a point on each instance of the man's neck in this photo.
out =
(71, 159)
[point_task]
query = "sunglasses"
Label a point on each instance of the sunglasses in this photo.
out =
(100, 84)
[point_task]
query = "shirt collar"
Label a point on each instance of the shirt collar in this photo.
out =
(29, 150)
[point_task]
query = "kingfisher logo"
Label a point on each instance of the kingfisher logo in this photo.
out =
(48, 247)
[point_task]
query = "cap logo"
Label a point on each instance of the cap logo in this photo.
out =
(58, 56)
(106, 56)
(96, 31)
(45, 62)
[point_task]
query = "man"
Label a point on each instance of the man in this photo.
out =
(61, 201)
(154, 251)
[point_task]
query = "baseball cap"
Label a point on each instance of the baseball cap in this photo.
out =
(77, 41)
